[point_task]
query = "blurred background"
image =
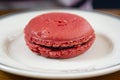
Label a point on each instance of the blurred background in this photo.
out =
(50, 4)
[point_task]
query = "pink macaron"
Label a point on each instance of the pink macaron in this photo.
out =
(59, 35)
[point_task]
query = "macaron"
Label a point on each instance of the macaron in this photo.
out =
(59, 35)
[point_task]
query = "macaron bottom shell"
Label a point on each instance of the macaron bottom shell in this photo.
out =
(61, 52)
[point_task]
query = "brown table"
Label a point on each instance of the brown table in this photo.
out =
(113, 76)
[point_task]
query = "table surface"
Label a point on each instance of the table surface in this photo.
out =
(113, 76)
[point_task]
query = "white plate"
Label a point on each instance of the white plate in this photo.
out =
(102, 58)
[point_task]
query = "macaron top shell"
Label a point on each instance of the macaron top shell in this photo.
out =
(58, 27)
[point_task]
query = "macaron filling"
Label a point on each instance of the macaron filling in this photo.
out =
(68, 47)
(52, 48)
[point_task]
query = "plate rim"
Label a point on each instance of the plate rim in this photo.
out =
(32, 74)
(18, 71)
